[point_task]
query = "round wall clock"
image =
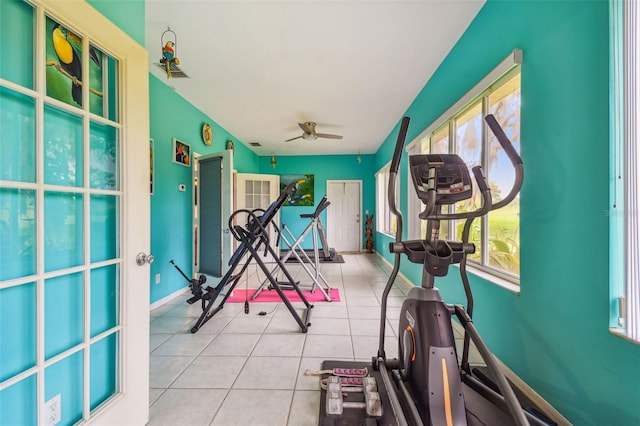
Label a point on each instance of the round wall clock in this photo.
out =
(207, 134)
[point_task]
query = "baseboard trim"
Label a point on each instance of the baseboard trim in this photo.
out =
(168, 298)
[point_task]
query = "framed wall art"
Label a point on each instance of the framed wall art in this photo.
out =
(181, 153)
(304, 195)
(151, 155)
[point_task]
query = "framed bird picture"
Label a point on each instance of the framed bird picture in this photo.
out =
(305, 188)
(181, 153)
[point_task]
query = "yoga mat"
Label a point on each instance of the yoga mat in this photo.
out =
(240, 295)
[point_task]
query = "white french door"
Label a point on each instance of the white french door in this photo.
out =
(344, 226)
(256, 191)
(74, 215)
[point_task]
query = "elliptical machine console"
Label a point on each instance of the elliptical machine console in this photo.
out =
(453, 183)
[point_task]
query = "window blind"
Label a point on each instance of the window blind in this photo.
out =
(632, 159)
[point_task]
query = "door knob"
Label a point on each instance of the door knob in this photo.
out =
(141, 258)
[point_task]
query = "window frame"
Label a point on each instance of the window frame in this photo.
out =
(624, 223)
(481, 92)
(385, 221)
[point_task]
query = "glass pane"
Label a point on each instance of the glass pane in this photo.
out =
(96, 85)
(103, 163)
(266, 185)
(62, 230)
(104, 227)
(17, 49)
(248, 201)
(256, 202)
(104, 370)
(63, 64)
(18, 133)
(111, 91)
(265, 201)
(469, 148)
(17, 233)
(63, 302)
(248, 187)
(440, 141)
(103, 80)
(425, 145)
(18, 329)
(18, 403)
(504, 224)
(104, 299)
(65, 378)
(63, 153)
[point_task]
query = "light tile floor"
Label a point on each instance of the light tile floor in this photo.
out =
(248, 369)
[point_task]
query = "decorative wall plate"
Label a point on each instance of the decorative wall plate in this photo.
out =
(207, 134)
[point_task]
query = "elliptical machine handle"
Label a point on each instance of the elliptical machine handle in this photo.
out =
(484, 190)
(514, 157)
(503, 140)
(397, 153)
(393, 175)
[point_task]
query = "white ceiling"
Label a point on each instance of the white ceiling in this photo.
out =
(259, 67)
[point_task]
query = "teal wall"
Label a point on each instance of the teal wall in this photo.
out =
(323, 167)
(171, 210)
(554, 334)
(129, 15)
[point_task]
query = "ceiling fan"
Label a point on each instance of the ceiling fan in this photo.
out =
(309, 129)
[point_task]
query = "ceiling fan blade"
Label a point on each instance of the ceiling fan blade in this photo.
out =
(328, 136)
(293, 139)
(308, 127)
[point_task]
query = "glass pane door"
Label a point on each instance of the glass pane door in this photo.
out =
(61, 221)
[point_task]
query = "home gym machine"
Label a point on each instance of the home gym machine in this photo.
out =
(295, 249)
(253, 236)
(320, 251)
(425, 385)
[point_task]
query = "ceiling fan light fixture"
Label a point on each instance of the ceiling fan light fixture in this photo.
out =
(309, 133)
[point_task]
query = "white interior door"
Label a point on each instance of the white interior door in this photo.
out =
(344, 227)
(78, 195)
(257, 191)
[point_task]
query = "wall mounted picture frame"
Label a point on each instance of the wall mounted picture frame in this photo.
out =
(181, 153)
(304, 195)
(151, 164)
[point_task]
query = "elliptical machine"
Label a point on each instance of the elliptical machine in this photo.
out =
(425, 385)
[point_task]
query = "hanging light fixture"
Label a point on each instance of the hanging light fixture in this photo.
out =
(273, 160)
(358, 158)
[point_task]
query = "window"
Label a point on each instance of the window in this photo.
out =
(386, 222)
(463, 131)
(625, 200)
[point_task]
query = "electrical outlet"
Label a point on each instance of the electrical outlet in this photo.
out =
(157, 278)
(52, 411)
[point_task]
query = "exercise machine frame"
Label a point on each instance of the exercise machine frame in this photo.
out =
(253, 237)
(315, 227)
(425, 384)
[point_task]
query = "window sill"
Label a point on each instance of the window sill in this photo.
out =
(501, 282)
(620, 333)
(387, 235)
